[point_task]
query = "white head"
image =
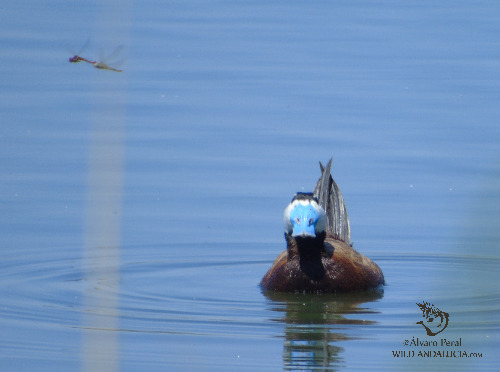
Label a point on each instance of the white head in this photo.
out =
(304, 217)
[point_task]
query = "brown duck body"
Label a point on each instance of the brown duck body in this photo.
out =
(322, 260)
(321, 265)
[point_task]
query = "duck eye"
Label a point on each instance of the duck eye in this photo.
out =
(311, 220)
(297, 219)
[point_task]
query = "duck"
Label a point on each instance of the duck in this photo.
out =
(319, 256)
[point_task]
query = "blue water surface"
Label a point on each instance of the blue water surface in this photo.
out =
(139, 210)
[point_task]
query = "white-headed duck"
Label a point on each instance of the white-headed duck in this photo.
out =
(319, 255)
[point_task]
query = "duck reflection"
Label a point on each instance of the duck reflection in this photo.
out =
(310, 320)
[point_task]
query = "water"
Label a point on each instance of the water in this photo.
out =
(140, 210)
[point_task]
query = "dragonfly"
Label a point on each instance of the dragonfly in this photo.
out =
(98, 64)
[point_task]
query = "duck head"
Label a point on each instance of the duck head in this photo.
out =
(304, 217)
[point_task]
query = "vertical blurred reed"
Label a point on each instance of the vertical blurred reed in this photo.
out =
(100, 346)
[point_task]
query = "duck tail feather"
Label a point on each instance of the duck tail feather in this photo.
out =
(331, 200)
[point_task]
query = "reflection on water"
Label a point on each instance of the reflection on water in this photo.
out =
(169, 308)
(313, 325)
